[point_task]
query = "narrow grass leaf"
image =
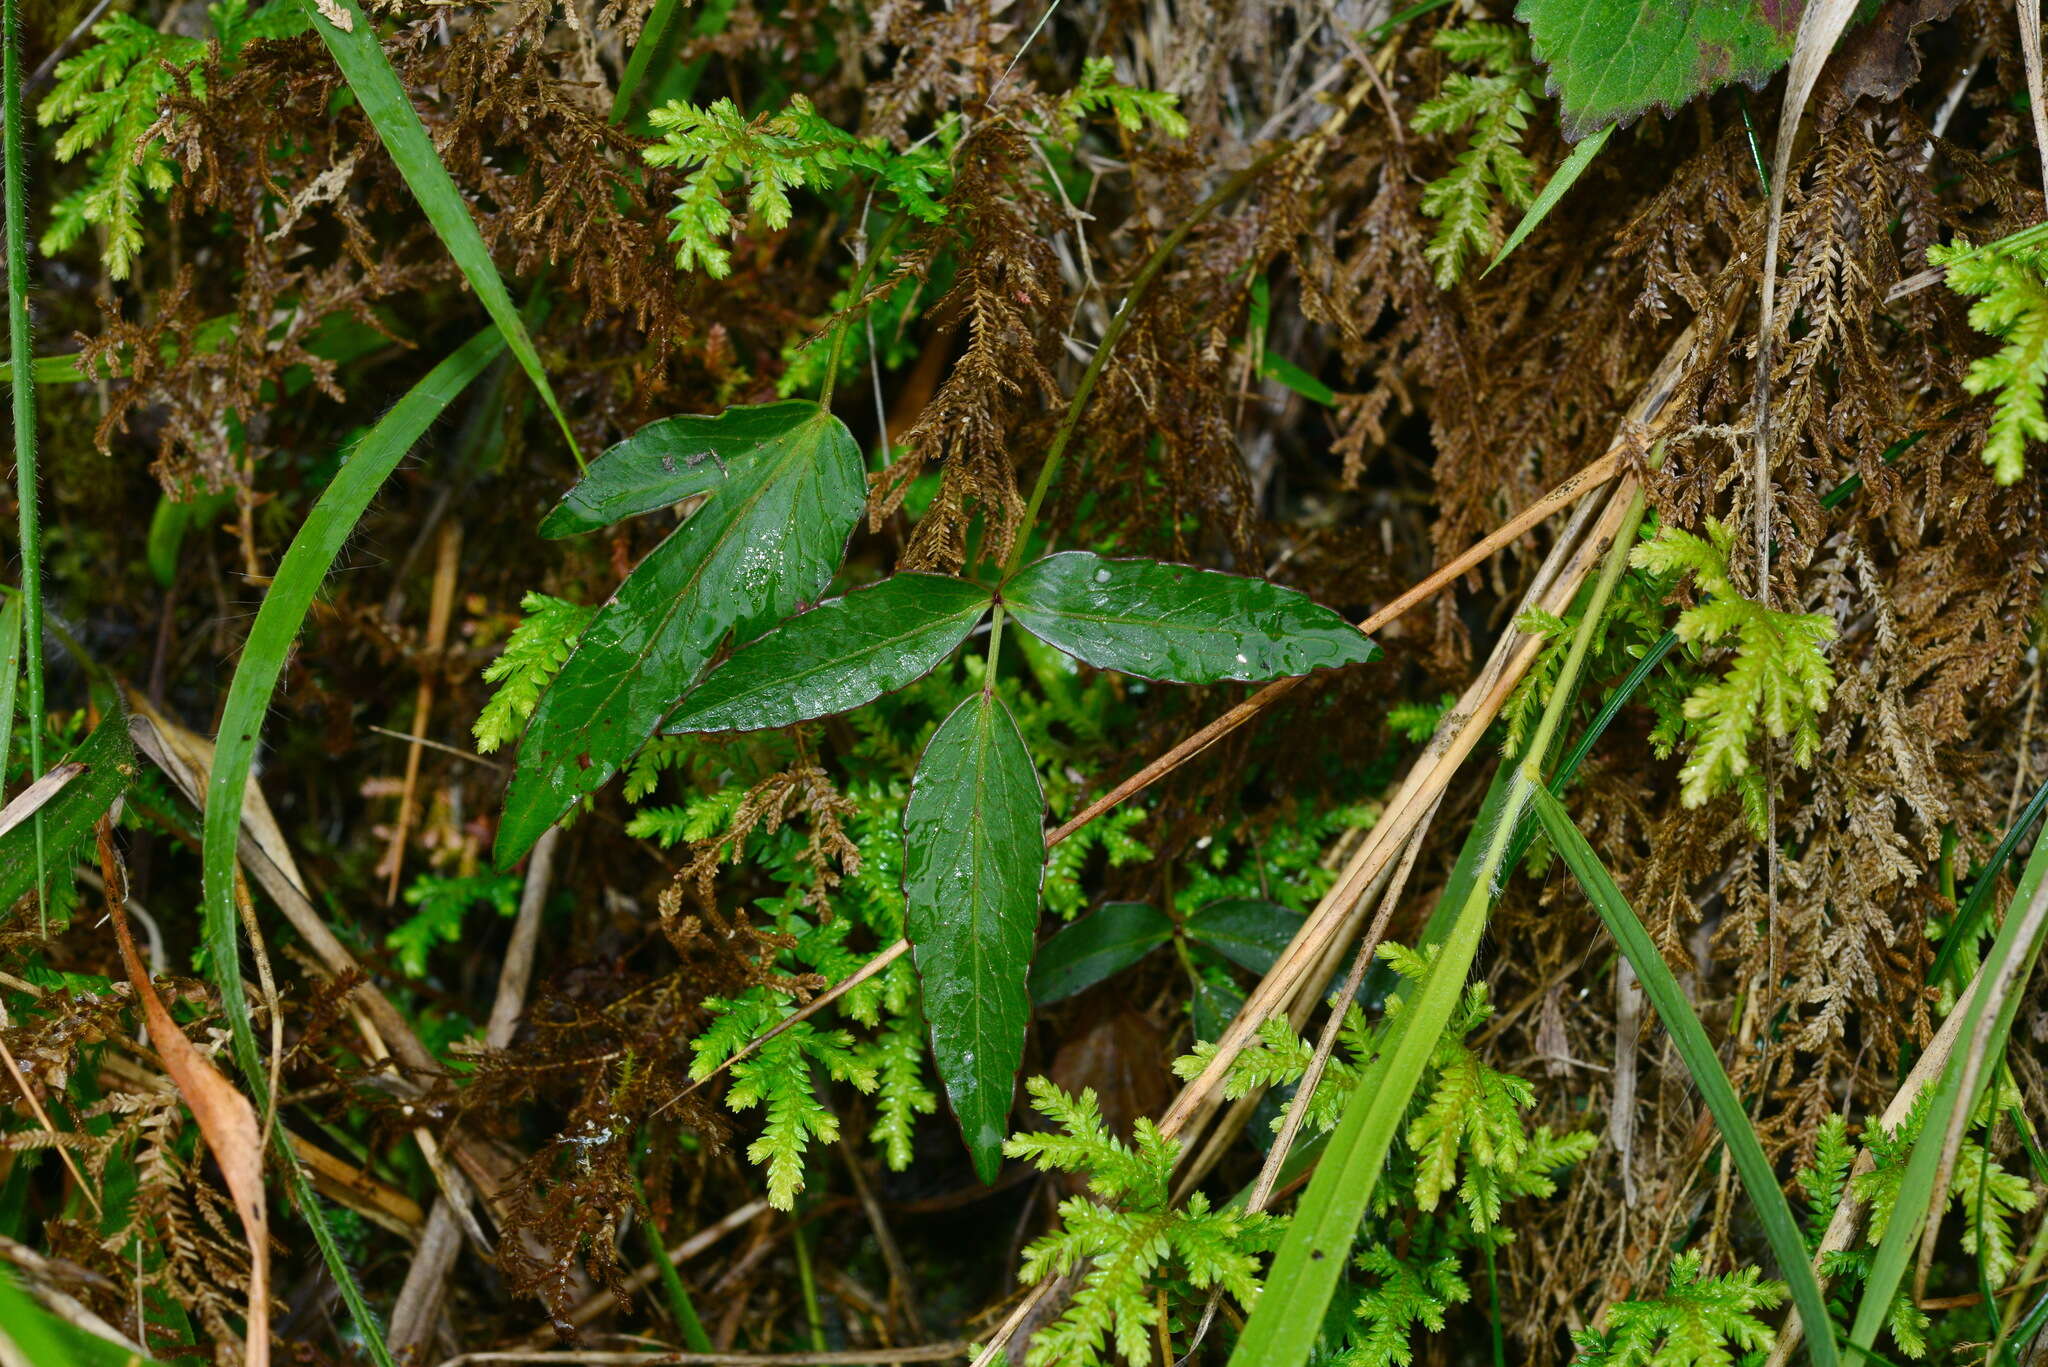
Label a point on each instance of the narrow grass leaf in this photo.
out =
(1284, 1324)
(1566, 176)
(1964, 927)
(369, 74)
(1992, 1005)
(843, 653)
(1095, 948)
(39, 1337)
(1781, 1228)
(973, 861)
(306, 563)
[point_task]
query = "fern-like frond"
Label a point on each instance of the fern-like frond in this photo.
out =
(2011, 289)
(535, 652)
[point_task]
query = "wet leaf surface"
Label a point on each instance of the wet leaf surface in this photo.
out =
(1178, 622)
(843, 653)
(771, 537)
(974, 855)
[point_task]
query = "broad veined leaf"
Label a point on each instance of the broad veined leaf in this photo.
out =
(668, 461)
(973, 858)
(1246, 931)
(839, 655)
(1610, 60)
(1096, 947)
(108, 757)
(771, 537)
(1177, 622)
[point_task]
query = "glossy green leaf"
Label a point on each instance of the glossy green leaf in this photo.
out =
(1610, 60)
(1247, 931)
(1781, 1228)
(1213, 1008)
(352, 39)
(668, 461)
(67, 819)
(1561, 180)
(1178, 622)
(769, 539)
(1094, 948)
(841, 654)
(311, 554)
(973, 859)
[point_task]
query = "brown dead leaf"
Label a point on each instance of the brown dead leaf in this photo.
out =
(1882, 58)
(226, 1119)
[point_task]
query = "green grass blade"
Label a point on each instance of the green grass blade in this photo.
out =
(299, 576)
(369, 74)
(2012, 958)
(1690, 1037)
(1284, 1324)
(652, 34)
(39, 1337)
(23, 387)
(1554, 190)
(1972, 910)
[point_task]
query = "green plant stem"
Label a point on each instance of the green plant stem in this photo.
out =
(26, 483)
(679, 1302)
(1284, 1324)
(1111, 335)
(801, 1242)
(854, 309)
(1056, 451)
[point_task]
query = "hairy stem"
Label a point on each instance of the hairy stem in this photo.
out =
(22, 382)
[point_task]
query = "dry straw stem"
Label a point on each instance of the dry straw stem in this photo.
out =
(1848, 1214)
(2011, 972)
(226, 1119)
(419, 1299)
(1405, 813)
(604, 1301)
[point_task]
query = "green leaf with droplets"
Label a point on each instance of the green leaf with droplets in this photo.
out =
(839, 655)
(769, 538)
(973, 858)
(1610, 60)
(666, 462)
(1095, 948)
(1178, 622)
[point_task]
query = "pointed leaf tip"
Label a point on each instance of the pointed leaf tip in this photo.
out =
(974, 857)
(1179, 623)
(771, 536)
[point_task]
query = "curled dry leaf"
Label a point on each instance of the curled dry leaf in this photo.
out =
(226, 1119)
